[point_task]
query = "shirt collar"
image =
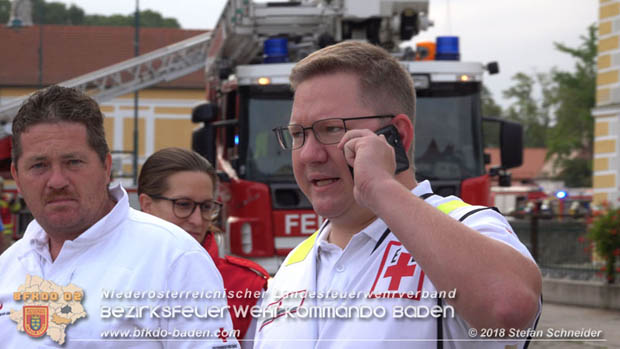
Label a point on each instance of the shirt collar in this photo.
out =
(422, 188)
(38, 239)
(377, 228)
(374, 231)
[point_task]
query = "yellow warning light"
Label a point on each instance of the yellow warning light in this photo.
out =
(264, 81)
(465, 78)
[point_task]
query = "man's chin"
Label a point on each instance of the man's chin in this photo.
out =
(328, 210)
(60, 223)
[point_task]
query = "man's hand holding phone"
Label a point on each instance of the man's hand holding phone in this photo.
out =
(373, 158)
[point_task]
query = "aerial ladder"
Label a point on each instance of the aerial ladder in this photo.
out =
(237, 39)
(164, 64)
(243, 27)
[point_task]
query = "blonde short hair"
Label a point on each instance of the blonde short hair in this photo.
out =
(386, 86)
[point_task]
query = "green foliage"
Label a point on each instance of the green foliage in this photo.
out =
(604, 232)
(560, 119)
(58, 13)
(50, 13)
(576, 173)
(75, 14)
(148, 18)
(532, 113)
(572, 137)
(490, 130)
(489, 107)
(5, 11)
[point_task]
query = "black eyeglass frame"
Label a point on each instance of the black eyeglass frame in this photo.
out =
(213, 212)
(279, 130)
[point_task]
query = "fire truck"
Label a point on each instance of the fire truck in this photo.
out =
(249, 58)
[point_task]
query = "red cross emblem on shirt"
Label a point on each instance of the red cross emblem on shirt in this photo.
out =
(399, 270)
(399, 276)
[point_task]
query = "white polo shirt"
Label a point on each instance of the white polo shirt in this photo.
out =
(368, 275)
(126, 251)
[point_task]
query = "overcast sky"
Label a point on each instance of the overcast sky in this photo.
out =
(518, 34)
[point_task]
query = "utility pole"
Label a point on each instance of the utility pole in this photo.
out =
(41, 21)
(135, 96)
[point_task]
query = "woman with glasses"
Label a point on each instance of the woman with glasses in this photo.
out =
(179, 186)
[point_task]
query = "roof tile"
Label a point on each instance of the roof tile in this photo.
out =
(71, 51)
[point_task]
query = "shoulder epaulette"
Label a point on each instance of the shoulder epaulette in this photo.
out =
(450, 206)
(302, 250)
(246, 263)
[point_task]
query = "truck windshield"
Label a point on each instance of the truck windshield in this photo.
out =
(448, 136)
(267, 109)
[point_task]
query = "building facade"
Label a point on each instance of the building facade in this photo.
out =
(39, 56)
(606, 166)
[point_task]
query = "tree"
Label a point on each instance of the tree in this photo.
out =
(560, 119)
(489, 107)
(490, 130)
(148, 18)
(75, 14)
(533, 113)
(571, 139)
(58, 13)
(5, 11)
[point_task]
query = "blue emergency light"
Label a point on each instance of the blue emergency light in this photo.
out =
(447, 48)
(275, 50)
(561, 194)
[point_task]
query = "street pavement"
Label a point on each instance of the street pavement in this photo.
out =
(559, 317)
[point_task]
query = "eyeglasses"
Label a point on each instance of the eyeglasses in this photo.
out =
(326, 131)
(183, 208)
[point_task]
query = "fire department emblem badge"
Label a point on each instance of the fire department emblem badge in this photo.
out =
(35, 320)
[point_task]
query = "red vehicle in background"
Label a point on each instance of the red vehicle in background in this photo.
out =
(248, 64)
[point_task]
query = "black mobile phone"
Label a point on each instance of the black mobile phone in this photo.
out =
(393, 138)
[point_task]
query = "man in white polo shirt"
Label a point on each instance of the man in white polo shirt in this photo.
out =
(393, 265)
(91, 272)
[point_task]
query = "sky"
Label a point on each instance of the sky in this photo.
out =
(519, 35)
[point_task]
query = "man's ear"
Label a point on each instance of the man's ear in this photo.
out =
(405, 130)
(146, 203)
(107, 164)
(14, 175)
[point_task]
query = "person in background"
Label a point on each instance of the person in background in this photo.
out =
(6, 232)
(179, 186)
(9, 207)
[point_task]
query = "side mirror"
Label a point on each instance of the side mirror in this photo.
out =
(205, 112)
(203, 142)
(511, 149)
(511, 144)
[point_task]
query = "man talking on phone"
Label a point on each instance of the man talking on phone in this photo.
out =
(393, 265)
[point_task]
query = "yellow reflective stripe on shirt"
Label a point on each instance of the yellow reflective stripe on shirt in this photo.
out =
(450, 206)
(301, 252)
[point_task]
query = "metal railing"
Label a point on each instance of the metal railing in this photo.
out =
(559, 246)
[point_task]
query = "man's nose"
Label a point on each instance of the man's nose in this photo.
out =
(58, 178)
(312, 150)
